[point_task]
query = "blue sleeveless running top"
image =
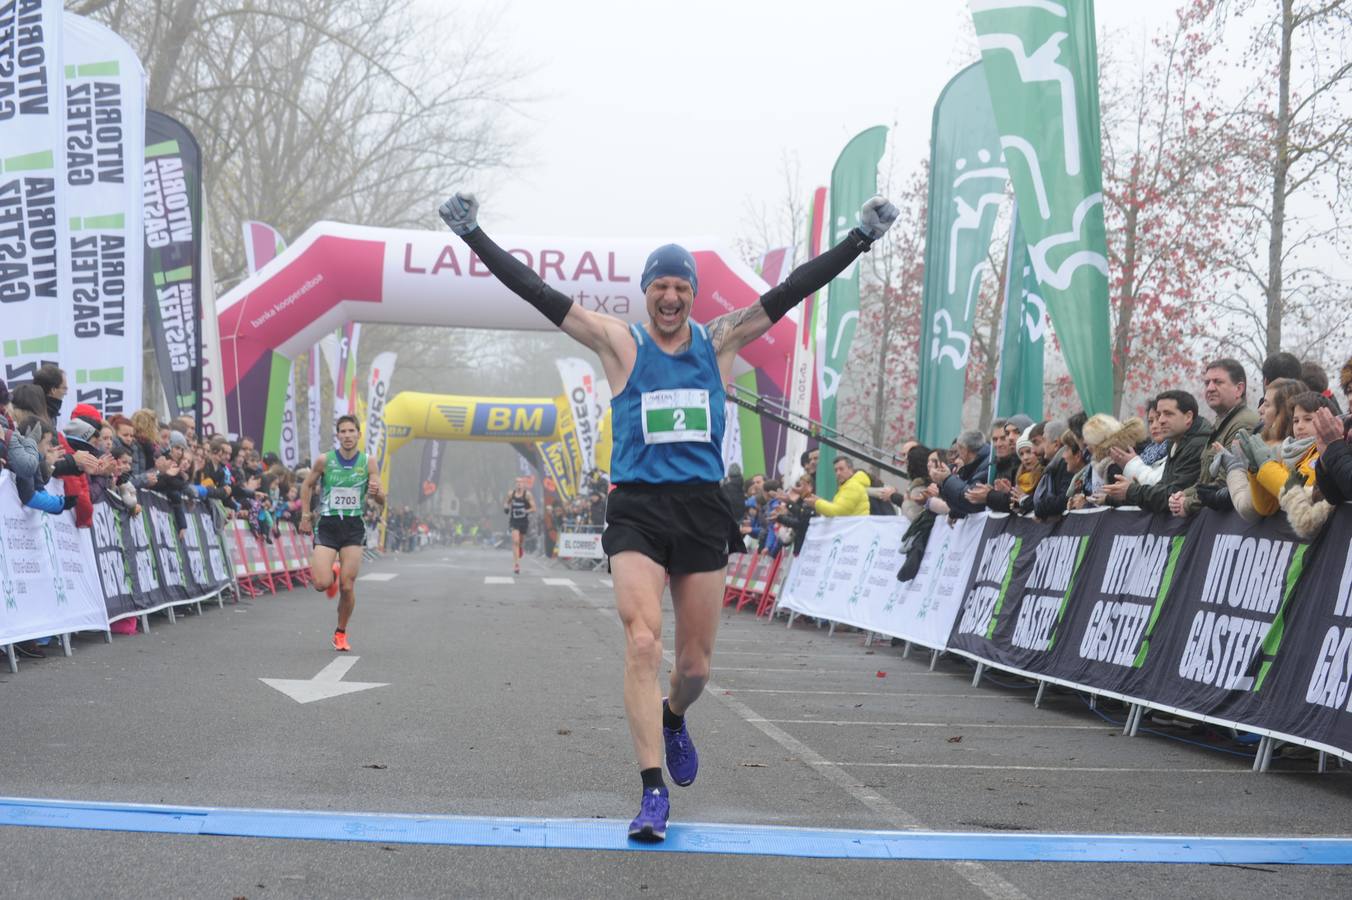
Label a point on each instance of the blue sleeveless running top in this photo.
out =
(668, 421)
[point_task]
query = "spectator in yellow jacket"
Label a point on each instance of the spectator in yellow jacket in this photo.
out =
(851, 496)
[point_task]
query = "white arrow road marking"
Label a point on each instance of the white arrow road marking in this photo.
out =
(328, 683)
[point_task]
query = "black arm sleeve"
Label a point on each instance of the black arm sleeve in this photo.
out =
(519, 277)
(812, 275)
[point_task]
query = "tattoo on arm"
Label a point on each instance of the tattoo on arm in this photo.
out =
(721, 329)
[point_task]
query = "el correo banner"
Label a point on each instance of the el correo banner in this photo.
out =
(102, 296)
(378, 393)
(579, 388)
(32, 216)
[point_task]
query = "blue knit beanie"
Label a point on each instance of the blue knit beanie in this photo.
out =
(673, 260)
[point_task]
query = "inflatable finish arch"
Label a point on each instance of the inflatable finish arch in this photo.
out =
(448, 417)
(335, 273)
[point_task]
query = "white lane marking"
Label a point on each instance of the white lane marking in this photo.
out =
(608, 582)
(378, 576)
(978, 875)
(1020, 725)
(499, 579)
(559, 582)
(1160, 770)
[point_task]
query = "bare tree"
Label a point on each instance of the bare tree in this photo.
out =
(356, 110)
(1295, 135)
(784, 225)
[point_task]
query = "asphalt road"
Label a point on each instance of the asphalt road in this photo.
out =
(503, 699)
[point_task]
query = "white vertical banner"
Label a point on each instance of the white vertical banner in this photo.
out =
(102, 292)
(732, 435)
(214, 420)
(289, 446)
(800, 396)
(312, 401)
(32, 158)
(579, 390)
(377, 393)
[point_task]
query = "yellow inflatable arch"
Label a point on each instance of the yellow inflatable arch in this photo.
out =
(412, 415)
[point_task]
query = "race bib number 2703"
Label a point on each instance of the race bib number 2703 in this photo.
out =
(344, 499)
(674, 416)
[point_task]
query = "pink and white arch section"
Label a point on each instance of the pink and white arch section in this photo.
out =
(336, 273)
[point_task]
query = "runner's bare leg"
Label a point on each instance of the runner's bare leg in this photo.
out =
(321, 567)
(698, 601)
(638, 597)
(347, 599)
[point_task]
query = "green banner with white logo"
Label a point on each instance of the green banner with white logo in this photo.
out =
(1021, 342)
(1041, 65)
(967, 186)
(853, 181)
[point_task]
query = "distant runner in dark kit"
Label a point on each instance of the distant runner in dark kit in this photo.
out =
(519, 508)
(667, 516)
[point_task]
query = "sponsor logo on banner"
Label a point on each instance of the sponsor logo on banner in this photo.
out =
(576, 545)
(579, 389)
(847, 572)
(377, 393)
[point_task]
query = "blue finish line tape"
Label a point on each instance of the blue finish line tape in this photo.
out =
(748, 840)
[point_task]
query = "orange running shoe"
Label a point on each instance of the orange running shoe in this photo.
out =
(332, 590)
(340, 641)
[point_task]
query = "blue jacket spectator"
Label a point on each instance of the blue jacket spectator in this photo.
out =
(974, 456)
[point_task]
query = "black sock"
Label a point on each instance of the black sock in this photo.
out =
(340, 631)
(652, 778)
(670, 720)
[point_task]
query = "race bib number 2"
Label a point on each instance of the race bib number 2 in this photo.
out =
(344, 499)
(674, 416)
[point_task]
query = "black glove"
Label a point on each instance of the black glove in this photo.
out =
(68, 502)
(1215, 496)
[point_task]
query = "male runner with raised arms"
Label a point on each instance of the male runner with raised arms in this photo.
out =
(519, 506)
(346, 477)
(667, 513)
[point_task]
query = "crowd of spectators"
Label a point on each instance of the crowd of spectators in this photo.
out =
(1288, 456)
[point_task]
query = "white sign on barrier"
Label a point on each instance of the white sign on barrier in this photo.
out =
(847, 573)
(48, 577)
(580, 545)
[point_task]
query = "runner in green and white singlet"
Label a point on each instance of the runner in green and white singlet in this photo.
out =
(347, 479)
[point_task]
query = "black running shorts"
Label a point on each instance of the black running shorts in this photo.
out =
(684, 528)
(521, 525)
(338, 532)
